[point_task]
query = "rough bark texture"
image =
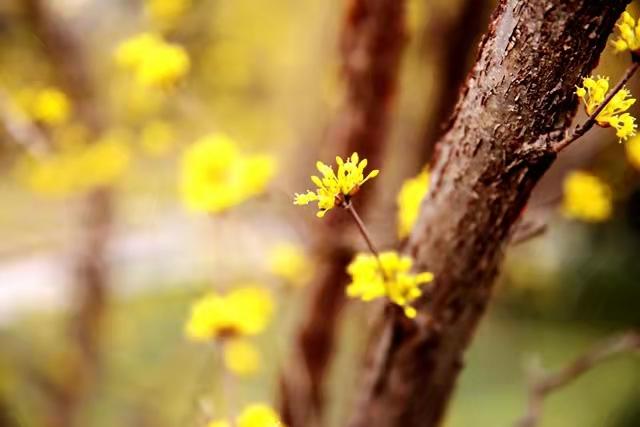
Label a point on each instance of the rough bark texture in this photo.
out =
(518, 99)
(372, 41)
(96, 218)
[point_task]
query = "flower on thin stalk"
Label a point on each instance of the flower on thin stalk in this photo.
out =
(594, 91)
(336, 189)
(396, 282)
(628, 34)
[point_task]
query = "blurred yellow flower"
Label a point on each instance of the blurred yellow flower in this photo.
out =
(586, 197)
(258, 415)
(166, 13)
(410, 196)
(397, 283)
(219, 423)
(243, 311)
(241, 357)
(593, 92)
(154, 62)
(48, 105)
(216, 176)
(632, 149)
(336, 189)
(291, 263)
(76, 168)
(157, 138)
(628, 37)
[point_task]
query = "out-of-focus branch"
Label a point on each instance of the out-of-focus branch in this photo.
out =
(65, 53)
(518, 100)
(21, 130)
(372, 41)
(450, 40)
(541, 387)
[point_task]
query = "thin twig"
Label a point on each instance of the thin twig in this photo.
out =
(363, 229)
(549, 383)
(528, 230)
(581, 130)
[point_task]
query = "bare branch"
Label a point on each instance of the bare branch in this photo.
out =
(540, 388)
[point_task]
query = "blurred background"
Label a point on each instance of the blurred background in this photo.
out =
(103, 250)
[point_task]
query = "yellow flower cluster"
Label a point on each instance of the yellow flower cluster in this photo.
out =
(335, 189)
(217, 176)
(254, 415)
(411, 193)
(593, 92)
(76, 168)
(241, 357)
(154, 62)
(586, 197)
(290, 263)
(166, 13)
(387, 276)
(632, 149)
(241, 312)
(629, 34)
(47, 105)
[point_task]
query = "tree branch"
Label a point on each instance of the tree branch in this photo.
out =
(517, 101)
(372, 40)
(540, 388)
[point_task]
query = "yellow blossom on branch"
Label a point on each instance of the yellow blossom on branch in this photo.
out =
(594, 91)
(290, 263)
(241, 357)
(586, 197)
(411, 193)
(48, 105)
(396, 282)
(217, 176)
(253, 415)
(154, 61)
(628, 37)
(258, 415)
(241, 312)
(335, 189)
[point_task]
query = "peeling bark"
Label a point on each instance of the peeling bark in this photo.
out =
(372, 41)
(518, 100)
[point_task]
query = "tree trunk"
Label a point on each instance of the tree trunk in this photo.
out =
(517, 100)
(372, 41)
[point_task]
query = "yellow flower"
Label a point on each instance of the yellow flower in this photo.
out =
(154, 61)
(219, 423)
(586, 197)
(241, 357)
(593, 92)
(409, 198)
(48, 105)
(258, 415)
(633, 151)
(290, 262)
(336, 189)
(397, 283)
(629, 34)
(166, 13)
(216, 176)
(76, 168)
(241, 312)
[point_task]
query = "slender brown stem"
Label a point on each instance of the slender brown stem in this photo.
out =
(581, 130)
(549, 383)
(363, 229)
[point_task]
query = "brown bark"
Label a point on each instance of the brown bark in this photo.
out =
(517, 102)
(451, 42)
(372, 40)
(90, 275)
